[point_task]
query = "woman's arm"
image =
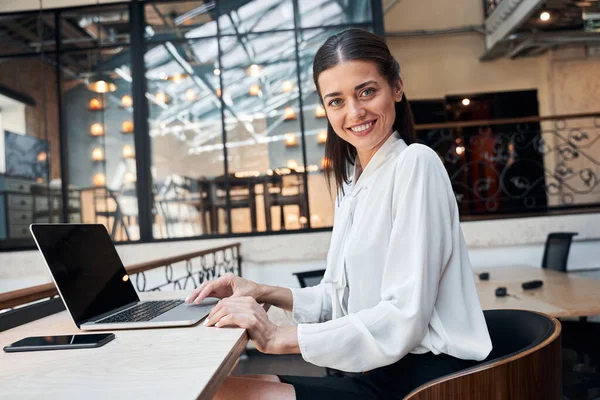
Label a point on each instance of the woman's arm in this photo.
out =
(304, 305)
(277, 296)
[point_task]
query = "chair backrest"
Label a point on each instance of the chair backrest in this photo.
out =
(310, 278)
(525, 362)
(556, 250)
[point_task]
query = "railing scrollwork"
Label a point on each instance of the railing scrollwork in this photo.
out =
(193, 271)
(521, 164)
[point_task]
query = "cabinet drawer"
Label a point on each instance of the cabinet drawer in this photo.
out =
(13, 185)
(19, 217)
(75, 203)
(41, 203)
(18, 231)
(19, 202)
(57, 219)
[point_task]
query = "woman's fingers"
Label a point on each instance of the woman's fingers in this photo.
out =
(196, 292)
(218, 312)
(228, 306)
(245, 312)
(235, 319)
(206, 289)
(225, 311)
(210, 287)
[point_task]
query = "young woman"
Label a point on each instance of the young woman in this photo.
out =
(398, 299)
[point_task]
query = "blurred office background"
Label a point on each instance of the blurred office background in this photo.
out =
(199, 119)
(186, 125)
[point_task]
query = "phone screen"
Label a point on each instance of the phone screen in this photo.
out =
(91, 340)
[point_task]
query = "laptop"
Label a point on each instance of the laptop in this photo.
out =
(95, 286)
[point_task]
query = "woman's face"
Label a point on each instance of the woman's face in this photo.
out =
(360, 105)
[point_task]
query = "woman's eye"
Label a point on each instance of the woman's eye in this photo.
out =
(334, 102)
(367, 92)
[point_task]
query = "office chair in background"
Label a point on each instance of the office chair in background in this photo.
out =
(579, 335)
(310, 278)
(556, 250)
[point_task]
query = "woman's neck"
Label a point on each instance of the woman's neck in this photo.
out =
(364, 156)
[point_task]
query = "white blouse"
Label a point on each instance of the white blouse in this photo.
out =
(398, 277)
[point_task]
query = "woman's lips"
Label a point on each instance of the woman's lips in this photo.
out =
(366, 131)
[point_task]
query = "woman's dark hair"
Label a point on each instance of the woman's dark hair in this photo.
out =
(349, 45)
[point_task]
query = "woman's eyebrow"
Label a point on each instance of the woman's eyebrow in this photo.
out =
(357, 87)
(362, 85)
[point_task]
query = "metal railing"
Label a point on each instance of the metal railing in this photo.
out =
(197, 268)
(520, 165)
(181, 272)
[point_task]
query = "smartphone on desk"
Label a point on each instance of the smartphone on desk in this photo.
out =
(62, 342)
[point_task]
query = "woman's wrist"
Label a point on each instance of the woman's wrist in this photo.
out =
(285, 340)
(261, 292)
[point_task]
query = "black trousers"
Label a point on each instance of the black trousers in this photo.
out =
(392, 382)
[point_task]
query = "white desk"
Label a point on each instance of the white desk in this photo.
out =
(171, 363)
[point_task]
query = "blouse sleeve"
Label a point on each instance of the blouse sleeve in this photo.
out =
(420, 246)
(311, 304)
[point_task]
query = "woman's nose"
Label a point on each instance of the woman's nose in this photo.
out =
(356, 111)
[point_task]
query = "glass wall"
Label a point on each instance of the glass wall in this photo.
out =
(235, 147)
(99, 131)
(217, 95)
(184, 121)
(98, 116)
(30, 168)
(264, 136)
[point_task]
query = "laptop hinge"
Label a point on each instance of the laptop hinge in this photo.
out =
(108, 313)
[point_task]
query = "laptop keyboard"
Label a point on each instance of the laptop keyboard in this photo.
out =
(142, 312)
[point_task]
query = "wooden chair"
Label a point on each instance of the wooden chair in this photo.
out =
(107, 207)
(242, 195)
(525, 363)
(281, 191)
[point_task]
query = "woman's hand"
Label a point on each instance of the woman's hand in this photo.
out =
(229, 285)
(245, 312)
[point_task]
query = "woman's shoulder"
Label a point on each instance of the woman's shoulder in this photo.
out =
(417, 154)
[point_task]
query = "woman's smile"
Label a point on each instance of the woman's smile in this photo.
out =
(363, 129)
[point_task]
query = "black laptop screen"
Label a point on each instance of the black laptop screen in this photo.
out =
(86, 268)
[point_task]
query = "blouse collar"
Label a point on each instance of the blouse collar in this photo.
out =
(391, 146)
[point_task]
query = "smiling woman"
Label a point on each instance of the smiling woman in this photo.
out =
(366, 106)
(397, 302)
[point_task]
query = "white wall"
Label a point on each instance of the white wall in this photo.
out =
(433, 67)
(13, 119)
